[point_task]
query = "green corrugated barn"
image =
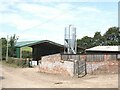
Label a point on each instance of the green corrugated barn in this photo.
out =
(39, 48)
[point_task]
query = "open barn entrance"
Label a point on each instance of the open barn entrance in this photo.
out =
(38, 49)
(44, 49)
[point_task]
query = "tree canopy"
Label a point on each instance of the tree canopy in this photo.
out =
(110, 37)
(12, 42)
(4, 45)
(11, 46)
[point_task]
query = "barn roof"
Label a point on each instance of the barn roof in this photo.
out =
(104, 48)
(31, 43)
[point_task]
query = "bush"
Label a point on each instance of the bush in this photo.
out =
(21, 63)
(26, 54)
(11, 60)
(17, 62)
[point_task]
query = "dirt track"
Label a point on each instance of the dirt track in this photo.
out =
(30, 78)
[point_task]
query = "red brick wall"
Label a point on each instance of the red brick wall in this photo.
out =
(53, 64)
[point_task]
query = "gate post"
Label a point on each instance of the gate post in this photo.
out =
(75, 67)
(85, 67)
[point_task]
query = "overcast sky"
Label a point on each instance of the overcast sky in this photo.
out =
(35, 20)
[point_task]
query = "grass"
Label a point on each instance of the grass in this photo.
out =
(27, 49)
(12, 62)
(7, 64)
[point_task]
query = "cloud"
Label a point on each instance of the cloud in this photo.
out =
(65, 6)
(89, 9)
(47, 21)
(41, 15)
(39, 10)
(19, 22)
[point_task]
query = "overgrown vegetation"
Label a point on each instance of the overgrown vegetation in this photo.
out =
(4, 46)
(11, 46)
(27, 52)
(12, 61)
(12, 42)
(16, 63)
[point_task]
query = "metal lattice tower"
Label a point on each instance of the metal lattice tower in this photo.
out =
(70, 42)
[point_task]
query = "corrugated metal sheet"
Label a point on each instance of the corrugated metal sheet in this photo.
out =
(31, 43)
(104, 48)
(24, 43)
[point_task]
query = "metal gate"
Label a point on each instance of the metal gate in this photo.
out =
(79, 63)
(80, 68)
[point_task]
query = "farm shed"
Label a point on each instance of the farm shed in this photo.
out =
(103, 56)
(48, 56)
(39, 48)
(104, 51)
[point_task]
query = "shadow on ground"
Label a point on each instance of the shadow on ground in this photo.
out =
(1, 77)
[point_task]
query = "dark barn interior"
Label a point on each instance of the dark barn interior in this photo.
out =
(40, 48)
(45, 48)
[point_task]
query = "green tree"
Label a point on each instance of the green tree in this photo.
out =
(97, 39)
(111, 37)
(26, 54)
(4, 44)
(85, 42)
(12, 42)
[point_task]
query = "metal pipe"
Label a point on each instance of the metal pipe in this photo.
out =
(64, 41)
(1, 49)
(69, 39)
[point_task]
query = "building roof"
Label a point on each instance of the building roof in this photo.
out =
(104, 48)
(31, 43)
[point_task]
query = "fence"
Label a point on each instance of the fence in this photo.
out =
(100, 62)
(89, 57)
(100, 57)
(70, 57)
(79, 62)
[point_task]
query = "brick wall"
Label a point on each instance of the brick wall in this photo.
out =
(101, 63)
(102, 67)
(53, 64)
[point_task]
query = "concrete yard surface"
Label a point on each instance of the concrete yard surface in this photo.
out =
(31, 78)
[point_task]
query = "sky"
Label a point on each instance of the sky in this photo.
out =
(38, 20)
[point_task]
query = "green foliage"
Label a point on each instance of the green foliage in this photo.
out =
(11, 46)
(4, 45)
(85, 42)
(110, 37)
(97, 39)
(27, 51)
(21, 63)
(26, 54)
(26, 48)
(17, 62)
(12, 42)
(11, 60)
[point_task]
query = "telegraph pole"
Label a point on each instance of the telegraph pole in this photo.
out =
(1, 49)
(7, 50)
